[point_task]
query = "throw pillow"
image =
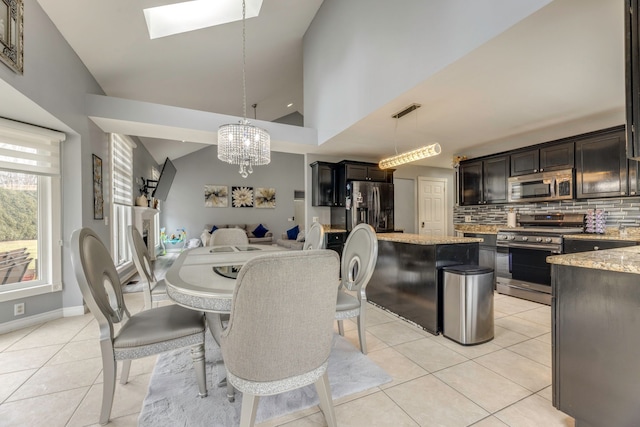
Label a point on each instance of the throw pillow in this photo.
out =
(260, 231)
(292, 233)
(214, 228)
(300, 237)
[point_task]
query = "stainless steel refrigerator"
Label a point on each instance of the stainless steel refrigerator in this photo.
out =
(371, 203)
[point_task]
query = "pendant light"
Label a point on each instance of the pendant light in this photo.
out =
(242, 143)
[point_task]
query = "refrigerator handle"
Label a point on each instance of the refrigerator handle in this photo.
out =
(377, 206)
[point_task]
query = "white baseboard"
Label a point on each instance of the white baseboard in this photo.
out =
(37, 319)
(14, 325)
(74, 311)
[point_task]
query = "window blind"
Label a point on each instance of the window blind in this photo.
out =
(28, 148)
(122, 169)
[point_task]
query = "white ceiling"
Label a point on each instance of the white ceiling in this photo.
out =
(556, 73)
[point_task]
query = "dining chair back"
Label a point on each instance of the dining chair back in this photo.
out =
(144, 334)
(315, 237)
(229, 236)
(359, 258)
(280, 331)
(153, 289)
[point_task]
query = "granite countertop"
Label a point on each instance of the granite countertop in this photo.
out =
(417, 239)
(334, 230)
(478, 228)
(632, 234)
(623, 260)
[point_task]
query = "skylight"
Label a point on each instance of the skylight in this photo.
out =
(192, 15)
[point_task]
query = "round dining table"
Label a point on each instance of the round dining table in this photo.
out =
(204, 278)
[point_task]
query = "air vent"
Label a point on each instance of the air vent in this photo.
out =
(406, 111)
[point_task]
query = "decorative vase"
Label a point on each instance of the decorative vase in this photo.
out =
(142, 201)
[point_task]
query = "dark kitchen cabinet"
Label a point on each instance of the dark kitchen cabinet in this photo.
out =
(346, 171)
(572, 246)
(557, 157)
(335, 241)
(601, 166)
(484, 181)
(545, 159)
(365, 172)
(632, 77)
(323, 184)
(525, 162)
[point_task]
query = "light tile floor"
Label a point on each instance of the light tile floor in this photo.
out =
(51, 375)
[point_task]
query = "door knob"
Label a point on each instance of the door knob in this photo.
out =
(422, 224)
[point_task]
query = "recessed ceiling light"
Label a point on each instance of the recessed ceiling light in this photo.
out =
(192, 15)
(290, 105)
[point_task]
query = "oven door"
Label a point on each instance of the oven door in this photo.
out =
(522, 271)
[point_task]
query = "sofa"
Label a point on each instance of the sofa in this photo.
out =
(286, 242)
(247, 228)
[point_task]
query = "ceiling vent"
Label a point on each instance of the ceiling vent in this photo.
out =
(406, 111)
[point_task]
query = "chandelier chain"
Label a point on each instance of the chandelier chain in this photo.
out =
(244, 55)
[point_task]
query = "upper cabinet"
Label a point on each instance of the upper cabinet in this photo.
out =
(632, 73)
(365, 172)
(484, 181)
(323, 184)
(545, 159)
(329, 180)
(601, 166)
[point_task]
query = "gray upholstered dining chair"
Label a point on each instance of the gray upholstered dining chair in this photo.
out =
(359, 258)
(144, 334)
(314, 238)
(153, 289)
(229, 236)
(266, 352)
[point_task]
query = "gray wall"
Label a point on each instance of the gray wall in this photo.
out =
(51, 93)
(184, 207)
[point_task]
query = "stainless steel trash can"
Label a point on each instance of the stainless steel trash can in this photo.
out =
(468, 304)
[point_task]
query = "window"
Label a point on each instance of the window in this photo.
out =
(121, 154)
(30, 210)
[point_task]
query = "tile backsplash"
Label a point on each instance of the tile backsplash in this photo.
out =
(620, 211)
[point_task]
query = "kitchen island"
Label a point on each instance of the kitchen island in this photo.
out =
(407, 279)
(595, 311)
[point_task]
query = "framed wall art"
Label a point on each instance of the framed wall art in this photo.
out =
(265, 197)
(98, 199)
(242, 197)
(11, 37)
(216, 196)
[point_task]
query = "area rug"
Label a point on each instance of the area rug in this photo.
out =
(171, 399)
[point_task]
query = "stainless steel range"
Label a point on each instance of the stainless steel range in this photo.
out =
(521, 253)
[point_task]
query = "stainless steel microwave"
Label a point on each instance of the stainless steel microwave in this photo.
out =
(540, 187)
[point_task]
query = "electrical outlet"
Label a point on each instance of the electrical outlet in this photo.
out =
(18, 309)
(467, 218)
(290, 219)
(315, 219)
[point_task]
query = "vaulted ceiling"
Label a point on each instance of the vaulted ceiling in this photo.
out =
(558, 72)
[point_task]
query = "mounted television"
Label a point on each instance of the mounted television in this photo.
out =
(164, 182)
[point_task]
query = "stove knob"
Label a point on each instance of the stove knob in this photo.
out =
(525, 238)
(538, 239)
(547, 240)
(511, 238)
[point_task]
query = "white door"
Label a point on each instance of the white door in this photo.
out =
(432, 206)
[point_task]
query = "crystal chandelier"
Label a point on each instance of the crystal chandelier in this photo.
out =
(242, 143)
